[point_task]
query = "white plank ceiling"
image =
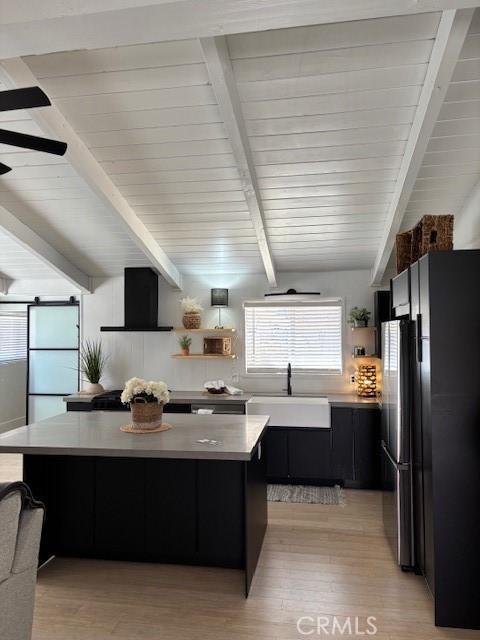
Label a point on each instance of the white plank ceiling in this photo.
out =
(17, 263)
(328, 110)
(451, 165)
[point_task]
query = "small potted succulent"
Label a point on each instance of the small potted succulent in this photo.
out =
(146, 400)
(192, 318)
(185, 342)
(92, 365)
(359, 317)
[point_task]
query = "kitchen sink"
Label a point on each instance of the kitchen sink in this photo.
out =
(292, 411)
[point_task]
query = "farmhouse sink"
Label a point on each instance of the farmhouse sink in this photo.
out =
(291, 411)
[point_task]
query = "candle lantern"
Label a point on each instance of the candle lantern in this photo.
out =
(367, 380)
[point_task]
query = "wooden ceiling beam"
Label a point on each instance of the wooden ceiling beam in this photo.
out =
(16, 73)
(220, 71)
(30, 240)
(28, 28)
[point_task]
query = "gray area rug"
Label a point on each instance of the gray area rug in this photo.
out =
(304, 493)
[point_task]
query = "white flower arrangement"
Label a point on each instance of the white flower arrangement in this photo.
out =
(190, 305)
(140, 388)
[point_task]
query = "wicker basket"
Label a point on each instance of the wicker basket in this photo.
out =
(435, 233)
(146, 415)
(432, 233)
(404, 250)
(192, 320)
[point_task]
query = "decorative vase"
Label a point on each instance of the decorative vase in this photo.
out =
(359, 324)
(93, 388)
(192, 320)
(146, 415)
(185, 352)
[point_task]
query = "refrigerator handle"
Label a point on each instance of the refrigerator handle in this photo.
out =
(419, 338)
(401, 466)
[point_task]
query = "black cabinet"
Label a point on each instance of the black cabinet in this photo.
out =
(445, 312)
(342, 444)
(309, 453)
(119, 507)
(220, 488)
(170, 510)
(277, 452)
(348, 453)
(356, 447)
(401, 294)
(382, 313)
(366, 448)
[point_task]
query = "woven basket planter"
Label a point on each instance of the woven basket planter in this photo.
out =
(404, 250)
(146, 415)
(435, 233)
(432, 233)
(192, 320)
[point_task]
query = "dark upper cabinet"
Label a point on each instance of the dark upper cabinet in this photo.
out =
(310, 453)
(277, 452)
(401, 294)
(342, 444)
(382, 303)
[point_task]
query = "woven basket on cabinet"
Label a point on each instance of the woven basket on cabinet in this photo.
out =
(146, 415)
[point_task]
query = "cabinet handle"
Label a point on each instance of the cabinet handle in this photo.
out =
(419, 338)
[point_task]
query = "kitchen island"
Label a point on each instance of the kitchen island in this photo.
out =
(160, 497)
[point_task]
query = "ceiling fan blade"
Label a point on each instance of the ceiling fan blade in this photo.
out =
(26, 141)
(26, 98)
(4, 169)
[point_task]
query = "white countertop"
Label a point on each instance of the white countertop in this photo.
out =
(97, 433)
(199, 397)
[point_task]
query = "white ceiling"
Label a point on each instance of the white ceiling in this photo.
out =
(451, 165)
(19, 263)
(327, 109)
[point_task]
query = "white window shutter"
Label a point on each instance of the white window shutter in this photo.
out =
(13, 337)
(309, 336)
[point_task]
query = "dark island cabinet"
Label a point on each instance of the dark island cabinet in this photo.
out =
(348, 453)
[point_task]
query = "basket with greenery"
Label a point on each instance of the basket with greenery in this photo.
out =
(359, 317)
(192, 317)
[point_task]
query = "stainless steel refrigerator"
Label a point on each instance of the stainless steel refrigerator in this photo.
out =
(396, 441)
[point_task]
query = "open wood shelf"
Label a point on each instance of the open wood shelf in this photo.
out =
(205, 330)
(203, 356)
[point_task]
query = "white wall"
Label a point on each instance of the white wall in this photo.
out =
(12, 395)
(467, 222)
(148, 354)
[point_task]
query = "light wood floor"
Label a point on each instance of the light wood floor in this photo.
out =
(317, 560)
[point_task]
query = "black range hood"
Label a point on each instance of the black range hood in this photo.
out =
(141, 301)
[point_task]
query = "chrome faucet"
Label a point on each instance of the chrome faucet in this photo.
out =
(289, 379)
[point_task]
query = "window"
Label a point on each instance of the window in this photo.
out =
(306, 334)
(13, 336)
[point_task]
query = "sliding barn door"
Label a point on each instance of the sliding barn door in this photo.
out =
(53, 358)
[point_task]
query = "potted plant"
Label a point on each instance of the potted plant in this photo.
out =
(92, 365)
(359, 317)
(192, 318)
(185, 342)
(146, 400)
